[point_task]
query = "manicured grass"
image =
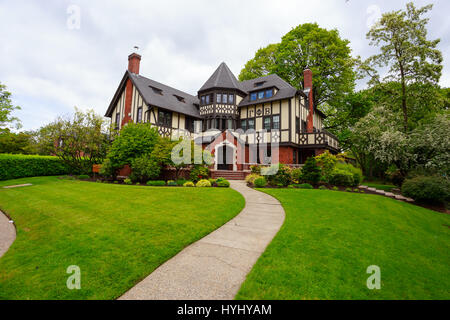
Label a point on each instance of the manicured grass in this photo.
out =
(380, 186)
(116, 234)
(329, 238)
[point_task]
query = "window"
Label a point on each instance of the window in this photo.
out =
(156, 90)
(219, 98)
(260, 94)
(207, 99)
(230, 124)
(297, 124)
(244, 125)
(203, 98)
(179, 98)
(253, 96)
(165, 118)
(294, 156)
(259, 84)
(276, 122)
(231, 98)
(269, 93)
(251, 124)
(266, 124)
(117, 120)
(139, 115)
(225, 98)
(189, 124)
(304, 126)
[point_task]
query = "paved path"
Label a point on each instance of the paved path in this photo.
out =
(7, 234)
(215, 267)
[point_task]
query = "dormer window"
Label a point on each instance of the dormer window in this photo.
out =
(156, 90)
(259, 84)
(181, 99)
(258, 95)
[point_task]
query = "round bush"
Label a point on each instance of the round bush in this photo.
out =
(83, 177)
(181, 182)
(203, 183)
(260, 182)
(342, 178)
(251, 178)
(223, 184)
(428, 189)
(304, 186)
(127, 181)
(323, 188)
(171, 183)
(188, 184)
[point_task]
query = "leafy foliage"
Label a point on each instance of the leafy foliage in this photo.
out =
(156, 183)
(429, 189)
(145, 168)
(282, 177)
(311, 172)
(223, 184)
(260, 182)
(6, 109)
(327, 162)
(341, 178)
(19, 166)
(203, 183)
(199, 172)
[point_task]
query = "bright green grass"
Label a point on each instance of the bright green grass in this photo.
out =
(329, 239)
(116, 234)
(380, 186)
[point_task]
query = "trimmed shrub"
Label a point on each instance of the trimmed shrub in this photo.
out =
(83, 177)
(144, 168)
(203, 183)
(311, 172)
(296, 175)
(327, 162)
(127, 181)
(188, 184)
(428, 189)
(282, 176)
(323, 188)
(171, 183)
(342, 178)
(255, 169)
(181, 182)
(116, 182)
(199, 173)
(356, 172)
(156, 183)
(13, 166)
(212, 181)
(335, 188)
(304, 186)
(223, 184)
(348, 189)
(260, 182)
(251, 178)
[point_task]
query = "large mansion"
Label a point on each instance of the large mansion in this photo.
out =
(237, 121)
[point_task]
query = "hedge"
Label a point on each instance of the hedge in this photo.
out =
(13, 166)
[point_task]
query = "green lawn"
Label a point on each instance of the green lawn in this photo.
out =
(329, 239)
(116, 234)
(379, 186)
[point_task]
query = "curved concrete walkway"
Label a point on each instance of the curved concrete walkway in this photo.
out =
(7, 234)
(215, 267)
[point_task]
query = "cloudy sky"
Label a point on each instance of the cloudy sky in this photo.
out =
(57, 54)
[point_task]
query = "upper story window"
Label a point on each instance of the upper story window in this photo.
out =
(225, 98)
(271, 122)
(244, 124)
(165, 118)
(268, 93)
(251, 124)
(156, 90)
(219, 98)
(189, 124)
(259, 84)
(139, 115)
(181, 99)
(231, 98)
(266, 124)
(206, 99)
(276, 122)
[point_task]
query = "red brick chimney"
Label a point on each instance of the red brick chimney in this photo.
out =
(134, 60)
(307, 84)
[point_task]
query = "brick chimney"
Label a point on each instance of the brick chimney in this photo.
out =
(134, 60)
(307, 84)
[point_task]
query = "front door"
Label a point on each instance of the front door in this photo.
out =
(225, 158)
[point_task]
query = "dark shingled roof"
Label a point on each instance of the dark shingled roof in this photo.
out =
(222, 78)
(167, 100)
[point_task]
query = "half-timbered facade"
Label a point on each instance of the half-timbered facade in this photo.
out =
(228, 116)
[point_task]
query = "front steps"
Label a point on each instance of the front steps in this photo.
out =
(228, 174)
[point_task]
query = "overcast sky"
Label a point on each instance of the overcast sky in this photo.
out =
(51, 61)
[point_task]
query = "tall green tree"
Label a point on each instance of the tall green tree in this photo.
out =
(308, 46)
(261, 65)
(405, 50)
(6, 109)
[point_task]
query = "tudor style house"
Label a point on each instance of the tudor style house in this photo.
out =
(238, 122)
